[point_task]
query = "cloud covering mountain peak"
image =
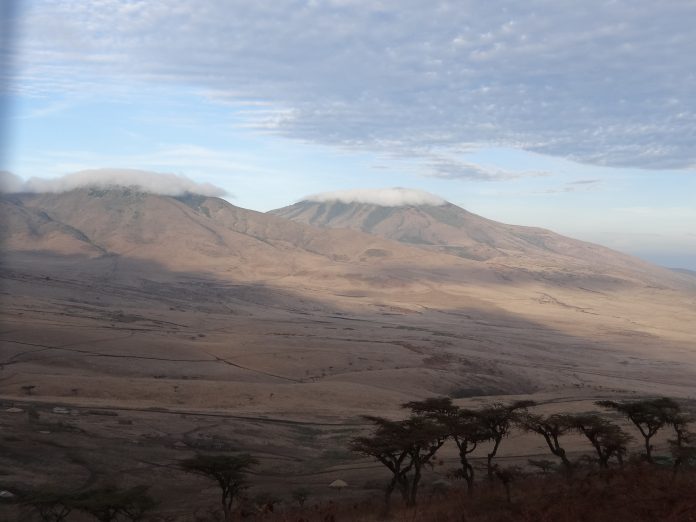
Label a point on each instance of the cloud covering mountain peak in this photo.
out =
(164, 184)
(388, 197)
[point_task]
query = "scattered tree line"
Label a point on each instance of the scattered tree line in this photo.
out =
(406, 446)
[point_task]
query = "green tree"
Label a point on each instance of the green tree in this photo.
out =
(544, 465)
(499, 419)
(229, 471)
(404, 447)
(424, 438)
(386, 445)
(682, 446)
(648, 415)
(465, 427)
(551, 427)
(507, 476)
(608, 439)
(468, 431)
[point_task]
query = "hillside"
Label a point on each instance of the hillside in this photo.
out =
(445, 227)
(197, 233)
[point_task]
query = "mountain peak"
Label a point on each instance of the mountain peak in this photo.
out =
(388, 197)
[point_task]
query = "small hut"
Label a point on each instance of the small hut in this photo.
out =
(338, 484)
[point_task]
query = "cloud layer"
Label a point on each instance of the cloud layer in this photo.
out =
(152, 182)
(607, 83)
(390, 197)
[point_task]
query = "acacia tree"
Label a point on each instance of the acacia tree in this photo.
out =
(404, 448)
(507, 476)
(464, 427)
(498, 419)
(608, 439)
(229, 471)
(648, 415)
(682, 447)
(544, 465)
(387, 446)
(432, 407)
(468, 431)
(550, 427)
(424, 437)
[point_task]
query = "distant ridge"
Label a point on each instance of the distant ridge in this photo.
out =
(447, 228)
(686, 271)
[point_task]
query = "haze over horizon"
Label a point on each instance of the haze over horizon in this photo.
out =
(575, 118)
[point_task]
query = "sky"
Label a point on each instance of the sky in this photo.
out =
(574, 116)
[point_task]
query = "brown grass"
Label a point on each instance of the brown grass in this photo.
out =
(636, 493)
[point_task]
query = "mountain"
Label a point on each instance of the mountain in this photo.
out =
(205, 235)
(437, 225)
(136, 299)
(354, 244)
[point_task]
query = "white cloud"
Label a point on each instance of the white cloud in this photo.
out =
(390, 197)
(608, 83)
(10, 183)
(153, 182)
(447, 168)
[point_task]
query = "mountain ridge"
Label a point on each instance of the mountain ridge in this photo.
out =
(201, 233)
(453, 230)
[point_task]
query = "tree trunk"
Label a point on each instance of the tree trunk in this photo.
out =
(404, 488)
(567, 465)
(648, 450)
(556, 449)
(414, 486)
(489, 458)
(603, 459)
(675, 469)
(469, 479)
(227, 508)
(388, 493)
(467, 473)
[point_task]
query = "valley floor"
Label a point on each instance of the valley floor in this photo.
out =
(121, 377)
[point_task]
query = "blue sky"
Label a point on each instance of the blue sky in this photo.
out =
(581, 119)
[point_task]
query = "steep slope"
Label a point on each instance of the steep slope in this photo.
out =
(207, 235)
(447, 228)
(27, 228)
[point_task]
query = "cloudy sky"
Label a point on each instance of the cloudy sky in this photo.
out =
(576, 116)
